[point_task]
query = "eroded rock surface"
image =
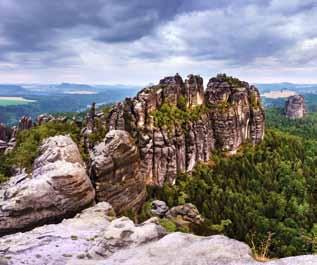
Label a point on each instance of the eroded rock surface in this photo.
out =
(90, 235)
(159, 208)
(185, 214)
(187, 249)
(95, 237)
(58, 187)
(25, 123)
(115, 170)
(295, 107)
(228, 114)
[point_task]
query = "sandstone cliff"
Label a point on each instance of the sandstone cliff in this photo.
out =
(115, 170)
(176, 123)
(295, 107)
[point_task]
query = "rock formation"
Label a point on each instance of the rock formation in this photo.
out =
(115, 170)
(25, 123)
(6, 136)
(185, 214)
(58, 187)
(295, 107)
(226, 115)
(44, 118)
(90, 235)
(159, 208)
(95, 237)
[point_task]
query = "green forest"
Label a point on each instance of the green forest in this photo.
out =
(266, 192)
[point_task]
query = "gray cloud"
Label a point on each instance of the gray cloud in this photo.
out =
(44, 33)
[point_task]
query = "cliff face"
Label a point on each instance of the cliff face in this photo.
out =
(295, 107)
(176, 123)
(115, 170)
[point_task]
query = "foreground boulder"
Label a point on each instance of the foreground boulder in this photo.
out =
(93, 234)
(115, 170)
(57, 188)
(184, 249)
(295, 107)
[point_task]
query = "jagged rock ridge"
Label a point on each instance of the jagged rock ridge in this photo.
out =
(229, 114)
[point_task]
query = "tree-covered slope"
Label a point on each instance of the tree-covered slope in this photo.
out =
(267, 192)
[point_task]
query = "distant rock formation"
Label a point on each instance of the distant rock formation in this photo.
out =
(44, 118)
(115, 170)
(25, 123)
(57, 188)
(226, 115)
(295, 107)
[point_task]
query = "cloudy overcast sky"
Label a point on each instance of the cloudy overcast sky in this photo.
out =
(139, 41)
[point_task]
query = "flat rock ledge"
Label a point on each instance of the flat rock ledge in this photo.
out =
(186, 249)
(57, 188)
(93, 235)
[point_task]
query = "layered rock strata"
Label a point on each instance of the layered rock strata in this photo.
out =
(295, 107)
(58, 187)
(223, 117)
(115, 170)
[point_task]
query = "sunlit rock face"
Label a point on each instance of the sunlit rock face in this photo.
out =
(58, 187)
(295, 107)
(237, 114)
(230, 114)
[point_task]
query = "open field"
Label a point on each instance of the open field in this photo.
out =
(12, 101)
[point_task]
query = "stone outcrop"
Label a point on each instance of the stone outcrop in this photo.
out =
(186, 214)
(5, 133)
(95, 237)
(58, 187)
(115, 171)
(93, 234)
(25, 123)
(44, 118)
(159, 208)
(228, 114)
(181, 249)
(7, 137)
(182, 215)
(295, 107)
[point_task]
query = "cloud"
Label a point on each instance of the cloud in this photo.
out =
(124, 35)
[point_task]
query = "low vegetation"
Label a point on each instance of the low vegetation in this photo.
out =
(170, 116)
(234, 82)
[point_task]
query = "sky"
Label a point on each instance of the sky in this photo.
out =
(140, 41)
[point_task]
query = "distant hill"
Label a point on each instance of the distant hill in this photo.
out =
(12, 90)
(299, 88)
